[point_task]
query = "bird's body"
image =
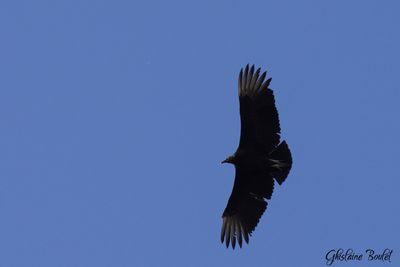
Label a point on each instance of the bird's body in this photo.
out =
(258, 160)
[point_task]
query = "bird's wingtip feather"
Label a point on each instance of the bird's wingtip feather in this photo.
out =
(251, 83)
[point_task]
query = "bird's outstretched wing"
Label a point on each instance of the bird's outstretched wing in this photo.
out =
(246, 205)
(259, 118)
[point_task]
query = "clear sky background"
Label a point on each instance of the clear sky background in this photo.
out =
(115, 116)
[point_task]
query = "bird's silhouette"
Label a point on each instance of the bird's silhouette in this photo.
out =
(259, 159)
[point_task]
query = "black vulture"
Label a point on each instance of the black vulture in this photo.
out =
(259, 159)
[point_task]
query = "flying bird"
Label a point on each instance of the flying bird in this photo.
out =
(259, 159)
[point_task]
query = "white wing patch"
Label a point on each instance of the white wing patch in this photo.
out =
(233, 230)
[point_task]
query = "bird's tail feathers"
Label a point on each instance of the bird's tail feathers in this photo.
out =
(281, 159)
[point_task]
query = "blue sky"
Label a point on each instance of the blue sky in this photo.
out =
(115, 116)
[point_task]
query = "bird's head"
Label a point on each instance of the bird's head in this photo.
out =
(230, 159)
